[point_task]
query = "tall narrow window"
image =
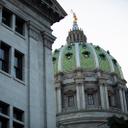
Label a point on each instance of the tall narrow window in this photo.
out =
(70, 101)
(90, 99)
(4, 108)
(18, 114)
(4, 123)
(19, 25)
(17, 125)
(111, 99)
(4, 115)
(6, 17)
(4, 57)
(18, 65)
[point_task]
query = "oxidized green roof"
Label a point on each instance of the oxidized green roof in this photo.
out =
(78, 54)
(85, 56)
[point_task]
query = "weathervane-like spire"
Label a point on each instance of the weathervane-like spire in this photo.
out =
(75, 25)
(75, 18)
(76, 35)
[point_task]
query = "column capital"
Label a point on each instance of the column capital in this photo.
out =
(122, 87)
(34, 33)
(79, 82)
(58, 84)
(102, 80)
(48, 39)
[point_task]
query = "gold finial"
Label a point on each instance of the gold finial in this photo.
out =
(74, 17)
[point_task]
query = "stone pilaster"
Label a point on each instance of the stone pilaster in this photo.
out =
(48, 39)
(78, 96)
(83, 97)
(124, 99)
(121, 100)
(49, 89)
(104, 96)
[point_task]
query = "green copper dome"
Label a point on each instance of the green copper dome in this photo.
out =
(78, 54)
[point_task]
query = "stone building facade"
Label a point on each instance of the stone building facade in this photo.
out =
(26, 78)
(89, 83)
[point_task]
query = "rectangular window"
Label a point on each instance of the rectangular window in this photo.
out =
(4, 57)
(20, 24)
(90, 99)
(6, 17)
(70, 101)
(18, 65)
(17, 125)
(4, 123)
(4, 108)
(18, 114)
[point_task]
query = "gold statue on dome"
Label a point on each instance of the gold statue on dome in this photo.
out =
(74, 16)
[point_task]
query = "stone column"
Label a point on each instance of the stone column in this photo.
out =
(78, 96)
(104, 97)
(83, 97)
(124, 99)
(121, 99)
(59, 99)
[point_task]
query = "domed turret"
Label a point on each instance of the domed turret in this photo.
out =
(78, 54)
(89, 83)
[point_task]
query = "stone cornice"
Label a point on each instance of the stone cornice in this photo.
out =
(42, 8)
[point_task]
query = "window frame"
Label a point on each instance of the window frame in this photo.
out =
(10, 24)
(18, 70)
(71, 101)
(90, 99)
(20, 29)
(5, 61)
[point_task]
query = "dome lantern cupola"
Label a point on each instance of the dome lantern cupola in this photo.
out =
(76, 34)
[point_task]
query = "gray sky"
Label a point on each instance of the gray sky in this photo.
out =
(105, 23)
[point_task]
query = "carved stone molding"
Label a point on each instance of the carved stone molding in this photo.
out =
(90, 90)
(58, 84)
(33, 34)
